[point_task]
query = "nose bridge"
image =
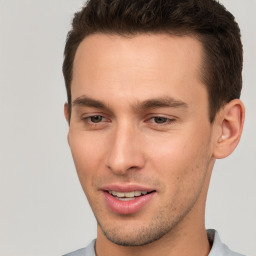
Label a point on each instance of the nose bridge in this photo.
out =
(124, 153)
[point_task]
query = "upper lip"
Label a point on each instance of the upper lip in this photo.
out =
(126, 188)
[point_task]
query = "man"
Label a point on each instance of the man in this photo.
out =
(153, 100)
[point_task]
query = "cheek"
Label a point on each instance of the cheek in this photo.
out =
(176, 152)
(180, 161)
(87, 152)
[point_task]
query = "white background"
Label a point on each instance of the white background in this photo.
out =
(43, 210)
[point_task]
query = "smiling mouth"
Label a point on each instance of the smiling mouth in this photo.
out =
(128, 196)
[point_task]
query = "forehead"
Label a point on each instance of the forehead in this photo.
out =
(134, 67)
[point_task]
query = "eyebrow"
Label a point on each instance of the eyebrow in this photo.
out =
(161, 102)
(88, 102)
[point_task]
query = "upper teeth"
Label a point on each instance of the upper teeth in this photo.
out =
(128, 194)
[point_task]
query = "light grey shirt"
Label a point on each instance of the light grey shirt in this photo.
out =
(218, 248)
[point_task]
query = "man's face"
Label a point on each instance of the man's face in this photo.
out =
(140, 123)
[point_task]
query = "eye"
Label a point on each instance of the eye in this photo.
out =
(160, 119)
(95, 122)
(96, 119)
(161, 122)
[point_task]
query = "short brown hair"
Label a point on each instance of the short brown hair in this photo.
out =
(207, 20)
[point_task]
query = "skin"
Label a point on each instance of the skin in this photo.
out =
(121, 133)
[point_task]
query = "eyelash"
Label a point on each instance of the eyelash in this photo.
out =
(88, 120)
(164, 121)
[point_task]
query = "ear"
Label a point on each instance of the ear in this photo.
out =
(229, 123)
(67, 112)
(67, 116)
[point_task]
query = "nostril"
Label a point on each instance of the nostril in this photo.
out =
(132, 167)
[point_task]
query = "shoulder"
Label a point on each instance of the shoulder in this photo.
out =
(87, 251)
(219, 248)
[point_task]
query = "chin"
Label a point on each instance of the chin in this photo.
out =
(139, 239)
(136, 236)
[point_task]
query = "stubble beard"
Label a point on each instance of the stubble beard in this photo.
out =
(158, 227)
(167, 222)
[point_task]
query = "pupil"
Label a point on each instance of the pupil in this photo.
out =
(96, 119)
(160, 120)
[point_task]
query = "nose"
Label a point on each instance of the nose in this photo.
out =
(125, 152)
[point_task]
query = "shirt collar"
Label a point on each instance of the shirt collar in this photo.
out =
(218, 248)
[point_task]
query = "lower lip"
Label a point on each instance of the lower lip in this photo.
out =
(127, 207)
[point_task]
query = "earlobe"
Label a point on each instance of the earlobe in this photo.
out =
(230, 122)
